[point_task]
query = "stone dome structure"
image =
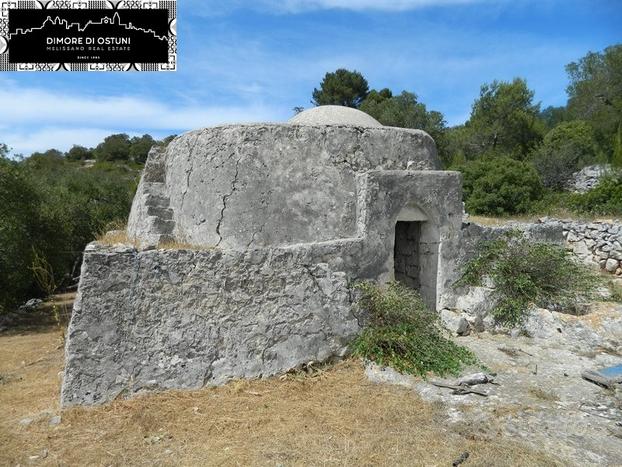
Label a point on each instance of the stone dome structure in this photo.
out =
(246, 241)
(334, 115)
(243, 186)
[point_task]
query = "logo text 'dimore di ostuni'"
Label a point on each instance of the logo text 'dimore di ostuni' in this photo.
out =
(93, 35)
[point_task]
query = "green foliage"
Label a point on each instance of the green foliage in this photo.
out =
(595, 93)
(113, 148)
(343, 87)
(616, 159)
(500, 186)
(79, 153)
(505, 120)
(553, 116)
(567, 148)
(404, 334)
(525, 273)
(50, 208)
(616, 291)
(20, 228)
(405, 111)
(140, 147)
(604, 199)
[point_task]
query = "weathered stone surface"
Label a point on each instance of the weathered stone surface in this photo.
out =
(588, 177)
(334, 115)
(148, 320)
(455, 322)
(611, 265)
(265, 185)
(598, 242)
(539, 382)
(288, 218)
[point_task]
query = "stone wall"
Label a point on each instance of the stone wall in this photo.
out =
(407, 254)
(597, 242)
(161, 319)
(245, 186)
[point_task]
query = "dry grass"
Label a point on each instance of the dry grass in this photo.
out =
(495, 221)
(334, 417)
(115, 237)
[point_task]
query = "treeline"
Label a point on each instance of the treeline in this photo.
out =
(515, 157)
(117, 147)
(53, 203)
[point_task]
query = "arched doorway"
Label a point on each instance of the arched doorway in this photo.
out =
(415, 252)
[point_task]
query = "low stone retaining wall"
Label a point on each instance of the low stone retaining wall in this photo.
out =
(162, 319)
(593, 242)
(596, 242)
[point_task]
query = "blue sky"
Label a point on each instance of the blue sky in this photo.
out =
(244, 61)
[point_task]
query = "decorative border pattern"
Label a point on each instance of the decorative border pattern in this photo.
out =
(6, 5)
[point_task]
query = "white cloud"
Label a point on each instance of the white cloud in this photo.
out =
(26, 142)
(31, 106)
(35, 119)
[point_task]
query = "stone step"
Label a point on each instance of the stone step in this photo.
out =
(157, 201)
(154, 172)
(166, 238)
(163, 213)
(160, 226)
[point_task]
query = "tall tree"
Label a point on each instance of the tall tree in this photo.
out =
(140, 147)
(79, 153)
(113, 148)
(504, 119)
(566, 149)
(406, 111)
(595, 93)
(553, 116)
(343, 87)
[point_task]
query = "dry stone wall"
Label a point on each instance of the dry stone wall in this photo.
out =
(596, 242)
(161, 319)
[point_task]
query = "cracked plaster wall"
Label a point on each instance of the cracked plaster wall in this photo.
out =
(276, 291)
(266, 185)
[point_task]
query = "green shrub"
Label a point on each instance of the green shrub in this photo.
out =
(525, 273)
(404, 334)
(54, 207)
(20, 229)
(500, 186)
(567, 148)
(604, 199)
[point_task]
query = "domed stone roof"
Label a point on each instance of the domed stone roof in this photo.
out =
(334, 115)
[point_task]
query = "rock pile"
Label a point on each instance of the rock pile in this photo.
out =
(588, 177)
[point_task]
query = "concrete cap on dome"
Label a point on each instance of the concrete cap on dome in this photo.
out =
(334, 115)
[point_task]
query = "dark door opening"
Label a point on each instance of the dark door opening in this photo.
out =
(406, 255)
